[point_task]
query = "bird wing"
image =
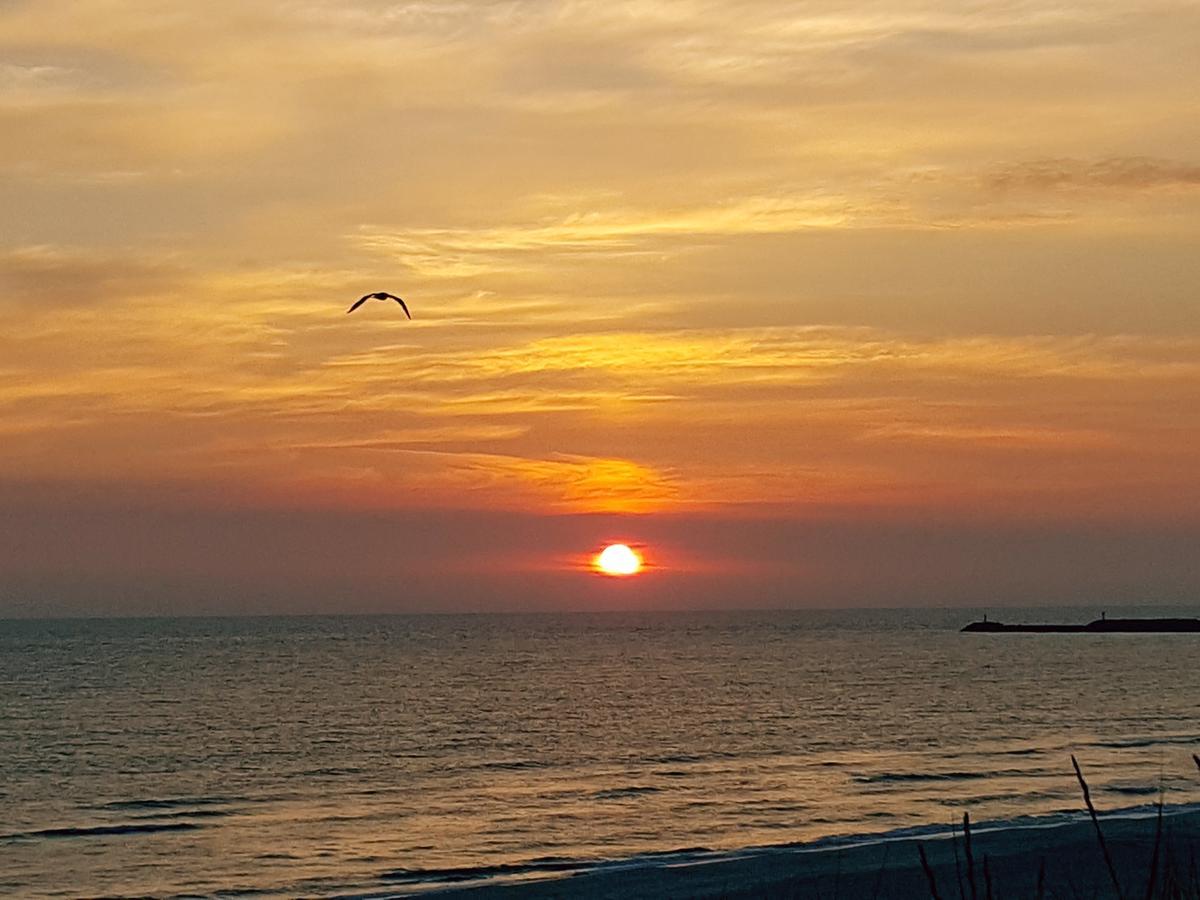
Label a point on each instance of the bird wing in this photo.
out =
(357, 303)
(402, 305)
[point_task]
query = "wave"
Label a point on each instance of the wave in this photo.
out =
(901, 777)
(170, 802)
(1066, 816)
(548, 865)
(100, 830)
(688, 757)
(1137, 790)
(1134, 743)
(475, 873)
(632, 790)
(187, 814)
(969, 803)
(513, 764)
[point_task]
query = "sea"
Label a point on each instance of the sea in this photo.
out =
(389, 756)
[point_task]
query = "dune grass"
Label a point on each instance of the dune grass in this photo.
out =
(1169, 877)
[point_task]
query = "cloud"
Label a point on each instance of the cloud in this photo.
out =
(55, 278)
(614, 233)
(1117, 173)
(1068, 440)
(241, 394)
(26, 83)
(565, 481)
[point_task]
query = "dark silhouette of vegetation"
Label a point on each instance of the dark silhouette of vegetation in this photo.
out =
(970, 857)
(933, 891)
(1087, 799)
(1157, 846)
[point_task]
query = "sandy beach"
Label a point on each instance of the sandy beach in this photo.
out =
(891, 868)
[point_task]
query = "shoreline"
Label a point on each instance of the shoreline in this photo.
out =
(875, 865)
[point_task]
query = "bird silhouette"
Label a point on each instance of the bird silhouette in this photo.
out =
(378, 295)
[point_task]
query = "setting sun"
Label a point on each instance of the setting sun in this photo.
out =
(618, 559)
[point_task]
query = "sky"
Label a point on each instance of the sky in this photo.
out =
(824, 304)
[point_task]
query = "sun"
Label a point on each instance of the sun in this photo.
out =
(618, 559)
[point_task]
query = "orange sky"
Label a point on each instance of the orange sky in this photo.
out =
(787, 293)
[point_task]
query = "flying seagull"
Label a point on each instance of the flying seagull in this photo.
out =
(378, 295)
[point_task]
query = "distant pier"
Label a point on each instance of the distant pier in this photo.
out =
(1103, 625)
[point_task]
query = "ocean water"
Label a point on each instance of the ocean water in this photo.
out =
(393, 755)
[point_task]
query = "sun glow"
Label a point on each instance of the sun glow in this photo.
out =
(618, 559)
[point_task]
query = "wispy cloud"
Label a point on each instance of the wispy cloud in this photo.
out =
(1121, 173)
(611, 420)
(56, 277)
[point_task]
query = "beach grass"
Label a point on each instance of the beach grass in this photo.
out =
(1167, 876)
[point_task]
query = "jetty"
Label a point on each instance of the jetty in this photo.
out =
(1102, 625)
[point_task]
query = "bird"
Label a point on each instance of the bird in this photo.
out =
(378, 295)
